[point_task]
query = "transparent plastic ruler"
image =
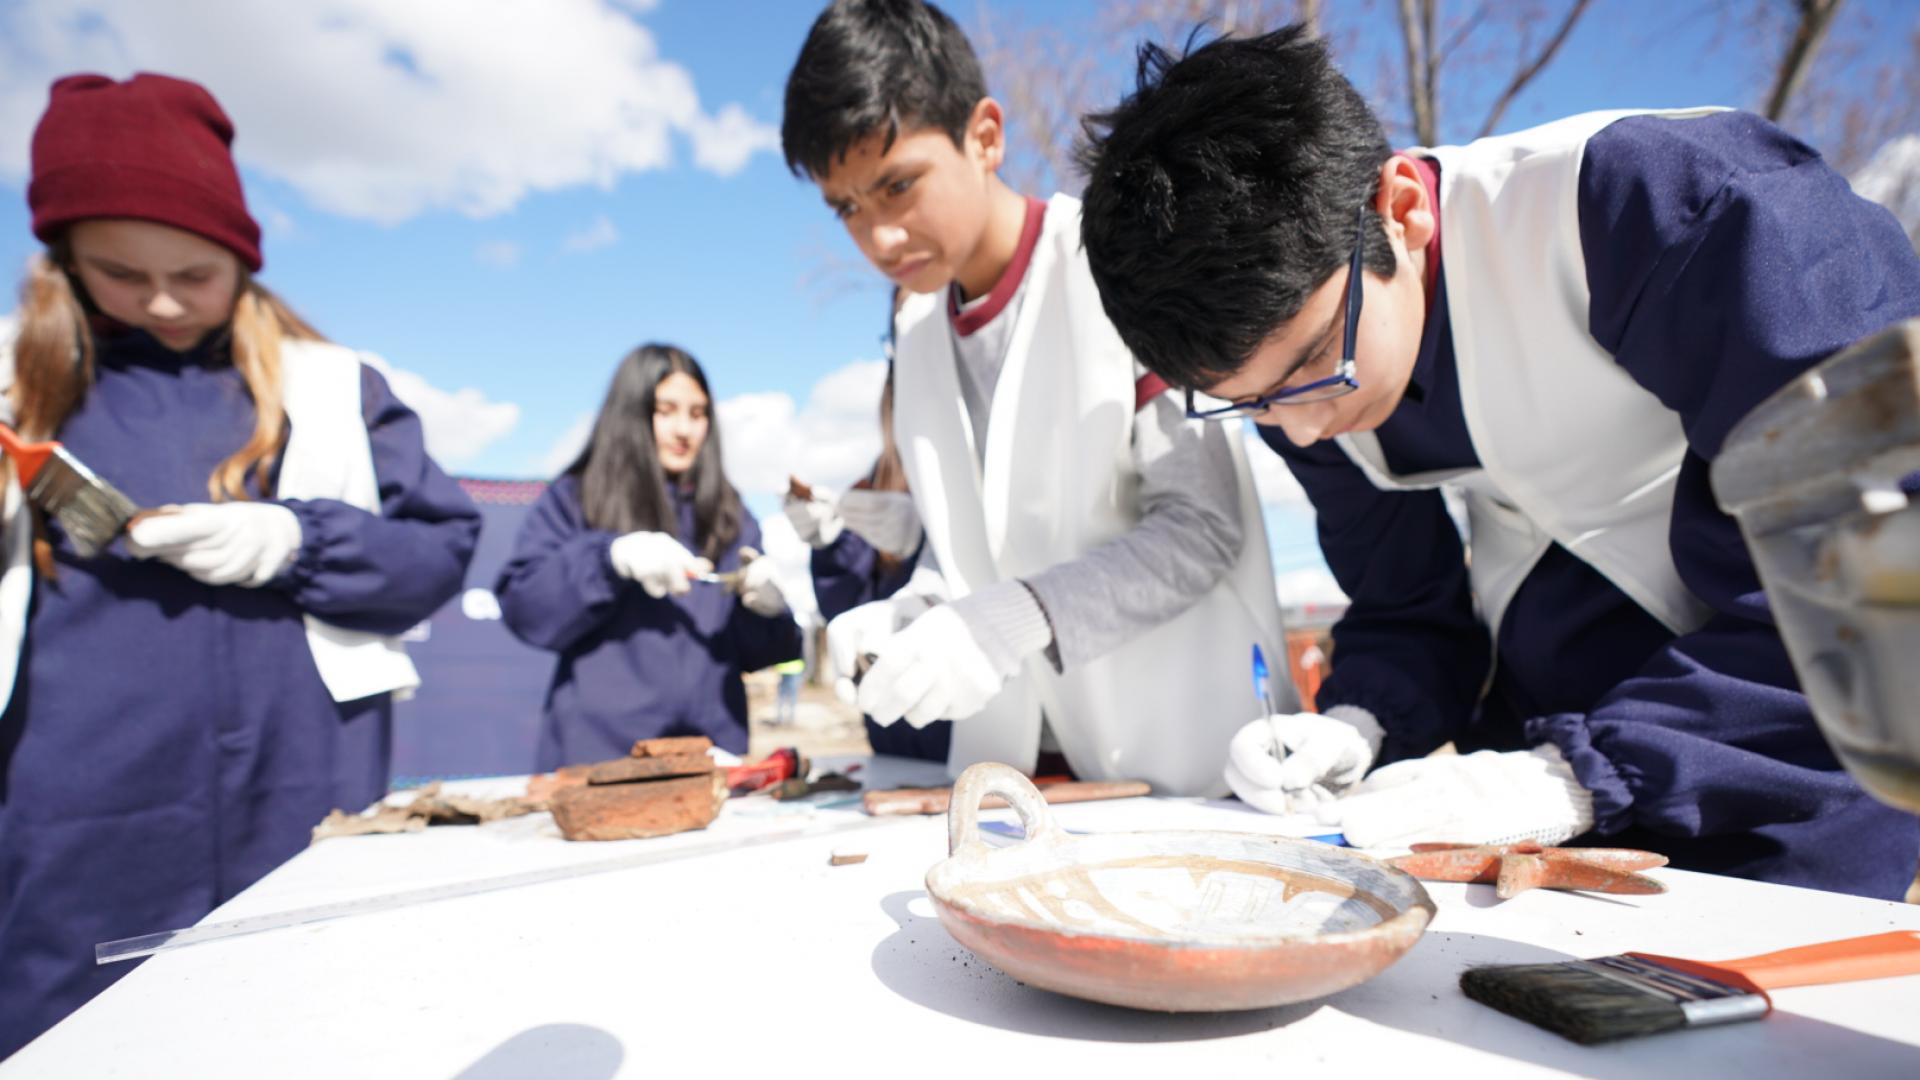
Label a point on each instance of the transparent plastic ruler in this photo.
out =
(132, 948)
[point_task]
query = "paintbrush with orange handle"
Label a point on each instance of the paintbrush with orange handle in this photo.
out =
(90, 510)
(1620, 997)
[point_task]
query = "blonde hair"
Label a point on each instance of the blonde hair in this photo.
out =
(53, 364)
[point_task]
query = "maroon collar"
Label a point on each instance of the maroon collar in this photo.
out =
(966, 322)
(1430, 177)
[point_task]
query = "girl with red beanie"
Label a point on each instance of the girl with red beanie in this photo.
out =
(181, 708)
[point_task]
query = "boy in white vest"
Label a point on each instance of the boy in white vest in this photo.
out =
(1561, 325)
(1092, 557)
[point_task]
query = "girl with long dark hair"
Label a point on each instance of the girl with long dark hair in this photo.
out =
(612, 569)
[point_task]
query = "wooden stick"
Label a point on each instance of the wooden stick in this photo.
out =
(935, 800)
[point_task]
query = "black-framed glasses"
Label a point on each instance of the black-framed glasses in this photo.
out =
(1338, 384)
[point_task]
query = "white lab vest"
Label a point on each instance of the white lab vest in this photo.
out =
(328, 456)
(1058, 480)
(1571, 449)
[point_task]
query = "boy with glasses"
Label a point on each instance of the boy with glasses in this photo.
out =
(1561, 326)
(1095, 568)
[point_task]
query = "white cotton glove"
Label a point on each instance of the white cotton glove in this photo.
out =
(860, 632)
(885, 519)
(1481, 798)
(951, 661)
(815, 520)
(760, 587)
(1291, 762)
(237, 543)
(657, 561)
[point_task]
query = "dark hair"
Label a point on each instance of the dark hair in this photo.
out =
(876, 65)
(622, 487)
(1223, 191)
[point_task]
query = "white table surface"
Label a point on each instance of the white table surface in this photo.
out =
(768, 960)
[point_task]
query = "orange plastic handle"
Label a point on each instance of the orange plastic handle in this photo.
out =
(1876, 956)
(28, 458)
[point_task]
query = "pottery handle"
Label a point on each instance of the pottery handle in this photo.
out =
(992, 778)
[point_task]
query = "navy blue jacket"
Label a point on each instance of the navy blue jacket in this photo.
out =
(170, 742)
(846, 574)
(632, 666)
(1723, 258)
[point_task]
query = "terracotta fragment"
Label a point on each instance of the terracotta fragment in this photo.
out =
(672, 746)
(644, 808)
(542, 787)
(622, 770)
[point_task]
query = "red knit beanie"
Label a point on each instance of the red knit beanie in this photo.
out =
(152, 147)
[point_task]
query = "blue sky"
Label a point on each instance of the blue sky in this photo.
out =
(501, 198)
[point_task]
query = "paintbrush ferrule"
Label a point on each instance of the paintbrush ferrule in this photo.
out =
(1702, 1001)
(91, 511)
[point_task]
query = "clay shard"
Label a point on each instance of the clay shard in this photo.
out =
(672, 746)
(634, 810)
(623, 770)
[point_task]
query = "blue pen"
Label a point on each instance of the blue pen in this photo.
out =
(1262, 681)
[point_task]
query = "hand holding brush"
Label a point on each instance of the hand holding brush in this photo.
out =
(90, 511)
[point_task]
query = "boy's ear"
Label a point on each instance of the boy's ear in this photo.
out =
(1404, 204)
(987, 133)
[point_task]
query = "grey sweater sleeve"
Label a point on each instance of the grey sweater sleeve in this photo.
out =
(1188, 536)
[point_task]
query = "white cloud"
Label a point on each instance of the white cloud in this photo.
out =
(600, 234)
(458, 424)
(724, 143)
(498, 254)
(833, 441)
(381, 110)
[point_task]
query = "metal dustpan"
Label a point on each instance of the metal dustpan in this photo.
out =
(1185, 921)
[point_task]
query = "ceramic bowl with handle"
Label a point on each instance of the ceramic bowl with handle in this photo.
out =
(1175, 921)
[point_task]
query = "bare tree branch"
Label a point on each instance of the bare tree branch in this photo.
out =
(1461, 33)
(1815, 17)
(1310, 16)
(1414, 27)
(1540, 61)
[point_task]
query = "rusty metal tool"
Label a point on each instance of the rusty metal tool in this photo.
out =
(936, 800)
(1514, 868)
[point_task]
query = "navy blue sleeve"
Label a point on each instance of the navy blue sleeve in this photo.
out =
(1724, 258)
(1409, 649)
(383, 573)
(760, 640)
(559, 583)
(843, 574)
(848, 573)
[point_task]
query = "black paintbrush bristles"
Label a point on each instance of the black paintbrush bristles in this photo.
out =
(91, 511)
(1614, 997)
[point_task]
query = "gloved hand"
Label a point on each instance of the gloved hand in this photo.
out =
(951, 661)
(860, 631)
(657, 561)
(815, 519)
(237, 543)
(1294, 761)
(760, 587)
(885, 519)
(1482, 798)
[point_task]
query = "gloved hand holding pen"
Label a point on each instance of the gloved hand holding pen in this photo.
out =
(1290, 762)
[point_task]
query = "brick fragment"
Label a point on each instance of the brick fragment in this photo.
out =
(644, 808)
(672, 746)
(622, 770)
